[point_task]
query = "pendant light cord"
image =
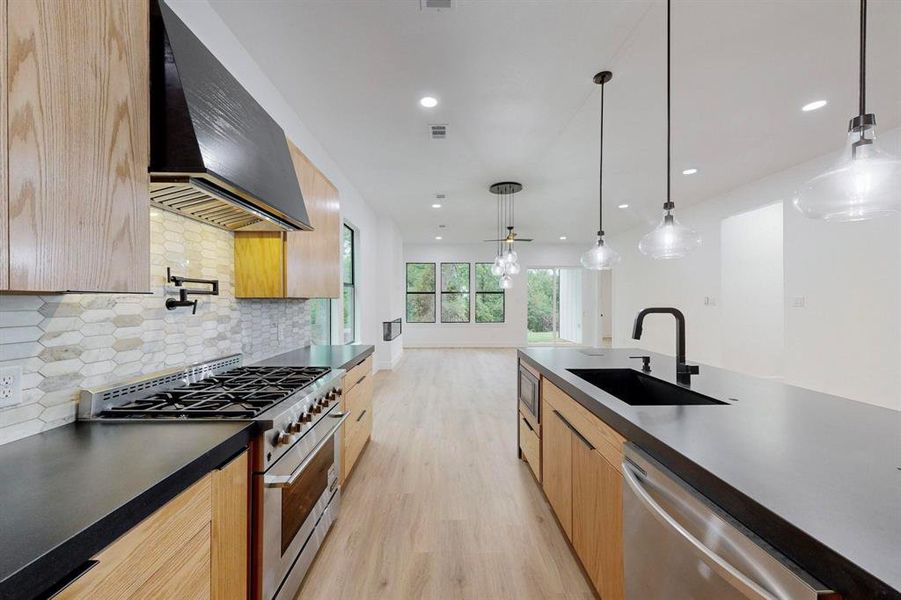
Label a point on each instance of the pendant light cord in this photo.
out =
(669, 174)
(601, 172)
(863, 57)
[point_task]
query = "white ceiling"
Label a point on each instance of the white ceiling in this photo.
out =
(514, 81)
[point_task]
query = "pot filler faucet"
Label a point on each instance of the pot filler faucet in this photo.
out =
(684, 371)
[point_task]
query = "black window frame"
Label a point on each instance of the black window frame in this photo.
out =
(467, 293)
(433, 293)
(351, 285)
(476, 293)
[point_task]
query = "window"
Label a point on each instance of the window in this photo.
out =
(320, 321)
(347, 268)
(420, 292)
(455, 292)
(489, 296)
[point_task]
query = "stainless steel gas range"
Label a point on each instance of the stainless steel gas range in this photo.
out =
(295, 458)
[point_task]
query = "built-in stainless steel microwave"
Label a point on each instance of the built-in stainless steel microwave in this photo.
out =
(528, 393)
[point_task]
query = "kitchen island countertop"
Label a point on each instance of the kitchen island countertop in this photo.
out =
(815, 475)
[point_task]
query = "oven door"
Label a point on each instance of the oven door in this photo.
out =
(528, 393)
(300, 498)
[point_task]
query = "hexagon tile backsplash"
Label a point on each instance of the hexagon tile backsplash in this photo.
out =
(68, 342)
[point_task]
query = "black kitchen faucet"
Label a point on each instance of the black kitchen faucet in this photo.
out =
(684, 371)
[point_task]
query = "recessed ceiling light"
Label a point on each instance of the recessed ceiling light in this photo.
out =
(691, 171)
(623, 206)
(813, 105)
(438, 237)
(562, 237)
(428, 102)
(436, 206)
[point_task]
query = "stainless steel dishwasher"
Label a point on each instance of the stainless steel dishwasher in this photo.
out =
(678, 544)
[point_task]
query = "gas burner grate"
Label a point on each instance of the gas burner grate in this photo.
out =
(240, 393)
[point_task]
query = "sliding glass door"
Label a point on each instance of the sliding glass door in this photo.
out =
(554, 310)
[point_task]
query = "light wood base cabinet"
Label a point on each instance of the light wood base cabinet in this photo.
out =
(581, 479)
(195, 546)
(356, 400)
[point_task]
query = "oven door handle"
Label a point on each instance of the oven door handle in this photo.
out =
(280, 481)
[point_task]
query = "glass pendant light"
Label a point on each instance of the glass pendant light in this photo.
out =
(497, 268)
(866, 182)
(600, 256)
(506, 282)
(670, 239)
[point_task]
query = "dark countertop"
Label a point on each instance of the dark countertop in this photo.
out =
(336, 357)
(69, 492)
(815, 475)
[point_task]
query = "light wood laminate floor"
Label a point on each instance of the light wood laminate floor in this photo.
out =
(438, 505)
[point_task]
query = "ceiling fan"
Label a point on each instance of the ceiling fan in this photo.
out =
(505, 191)
(512, 236)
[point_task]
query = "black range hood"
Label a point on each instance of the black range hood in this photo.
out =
(215, 154)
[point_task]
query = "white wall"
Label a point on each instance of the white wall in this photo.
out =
(390, 282)
(511, 333)
(846, 340)
(215, 34)
(753, 334)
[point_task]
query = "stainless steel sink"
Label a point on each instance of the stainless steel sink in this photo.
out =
(637, 389)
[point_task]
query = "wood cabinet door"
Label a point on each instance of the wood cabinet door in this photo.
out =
(259, 264)
(597, 514)
(557, 454)
(313, 258)
(78, 145)
(4, 182)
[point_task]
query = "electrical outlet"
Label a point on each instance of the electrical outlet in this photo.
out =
(10, 386)
(280, 332)
(709, 301)
(799, 302)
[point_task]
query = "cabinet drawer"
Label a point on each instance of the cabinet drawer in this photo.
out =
(357, 373)
(357, 436)
(141, 556)
(359, 399)
(530, 446)
(604, 438)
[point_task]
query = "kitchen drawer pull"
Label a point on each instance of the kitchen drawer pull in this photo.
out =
(529, 425)
(360, 380)
(278, 481)
(361, 416)
(574, 430)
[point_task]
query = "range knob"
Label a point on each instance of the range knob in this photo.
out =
(282, 438)
(305, 418)
(330, 395)
(338, 391)
(315, 409)
(294, 427)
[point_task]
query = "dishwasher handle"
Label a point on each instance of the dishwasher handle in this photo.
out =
(736, 578)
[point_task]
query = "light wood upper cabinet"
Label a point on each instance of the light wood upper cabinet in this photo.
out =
(314, 257)
(77, 89)
(4, 182)
(295, 264)
(557, 466)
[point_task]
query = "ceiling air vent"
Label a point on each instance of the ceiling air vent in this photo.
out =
(438, 132)
(436, 4)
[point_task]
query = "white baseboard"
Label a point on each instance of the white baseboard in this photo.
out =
(416, 345)
(389, 365)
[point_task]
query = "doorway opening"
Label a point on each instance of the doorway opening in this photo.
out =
(554, 308)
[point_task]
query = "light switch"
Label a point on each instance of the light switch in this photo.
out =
(799, 302)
